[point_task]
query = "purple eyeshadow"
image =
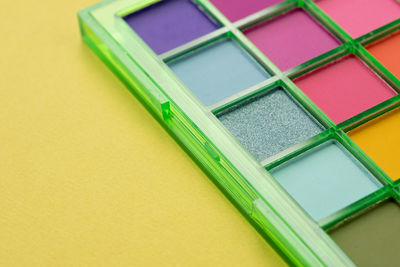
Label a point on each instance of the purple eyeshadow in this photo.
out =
(169, 24)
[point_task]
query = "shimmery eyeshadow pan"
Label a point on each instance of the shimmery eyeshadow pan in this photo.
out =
(270, 123)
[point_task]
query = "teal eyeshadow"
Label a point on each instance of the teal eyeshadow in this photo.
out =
(218, 71)
(325, 179)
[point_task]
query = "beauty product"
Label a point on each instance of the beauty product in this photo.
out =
(292, 107)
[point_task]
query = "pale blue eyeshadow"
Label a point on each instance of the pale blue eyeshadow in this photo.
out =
(325, 179)
(218, 71)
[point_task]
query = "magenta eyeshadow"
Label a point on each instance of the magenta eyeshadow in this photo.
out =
(291, 39)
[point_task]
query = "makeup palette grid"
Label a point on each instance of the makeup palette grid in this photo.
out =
(291, 107)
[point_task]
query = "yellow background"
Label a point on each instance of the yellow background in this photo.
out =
(87, 176)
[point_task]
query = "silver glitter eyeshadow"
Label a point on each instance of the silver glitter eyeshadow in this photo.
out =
(269, 124)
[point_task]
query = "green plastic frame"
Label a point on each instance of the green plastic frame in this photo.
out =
(245, 181)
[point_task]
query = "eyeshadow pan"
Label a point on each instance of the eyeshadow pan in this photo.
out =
(169, 24)
(218, 71)
(388, 53)
(238, 9)
(291, 39)
(325, 179)
(345, 88)
(359, 17)
(379, 138)
(373, 238)
(269, 123)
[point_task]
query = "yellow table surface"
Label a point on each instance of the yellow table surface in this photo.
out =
(87, 176)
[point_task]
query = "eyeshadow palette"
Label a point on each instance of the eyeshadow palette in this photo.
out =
(292, 108)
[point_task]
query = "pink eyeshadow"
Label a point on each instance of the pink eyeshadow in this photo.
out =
(291, 39)
(345, 89)
(359, 17)
(238, 9)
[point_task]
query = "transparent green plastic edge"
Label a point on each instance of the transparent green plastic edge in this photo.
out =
(285, 238)
(259, 196)
(192, 144)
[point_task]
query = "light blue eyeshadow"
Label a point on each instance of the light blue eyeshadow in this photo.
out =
(325, 179)
(218, 71)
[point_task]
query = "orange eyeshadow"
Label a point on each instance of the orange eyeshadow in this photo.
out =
(388, 53)
(380, 140)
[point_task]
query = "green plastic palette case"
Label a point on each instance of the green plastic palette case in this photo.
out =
(291, 108)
